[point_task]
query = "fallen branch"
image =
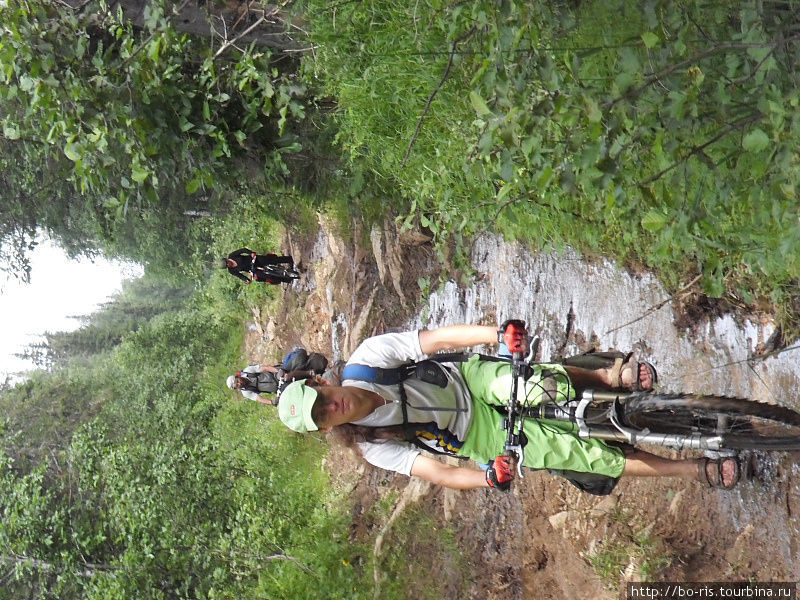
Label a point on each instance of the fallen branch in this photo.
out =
(229, 43)
(653, 309)
(436, 91)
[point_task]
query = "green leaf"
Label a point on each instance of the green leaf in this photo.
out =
(593, 112)
(755, 141)
(194, 185)
(544, 177)
(11, 132)
(138, 174)
(759, 53)
(73, 151)
(504, 191)
(479, 104)
(154, 48)
(650, 39)
(26, 83)
(654, 221)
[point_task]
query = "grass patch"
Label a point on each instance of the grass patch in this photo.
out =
(630, 552)
(421, 559)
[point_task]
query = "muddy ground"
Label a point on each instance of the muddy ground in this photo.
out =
(546, 539)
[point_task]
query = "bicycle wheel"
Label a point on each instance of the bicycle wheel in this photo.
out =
(742, 424)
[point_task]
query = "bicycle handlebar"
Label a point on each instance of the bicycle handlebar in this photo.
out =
(515, 336)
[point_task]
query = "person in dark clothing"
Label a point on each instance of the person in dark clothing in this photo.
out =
(240, 263)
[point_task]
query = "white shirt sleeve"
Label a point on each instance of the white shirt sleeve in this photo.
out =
(392, 455)
(250, 395)
(389, 350)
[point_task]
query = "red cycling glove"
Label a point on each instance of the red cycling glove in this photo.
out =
(500, 473)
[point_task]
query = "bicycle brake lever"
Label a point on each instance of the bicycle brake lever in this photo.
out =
(533, 349)
(519, 454)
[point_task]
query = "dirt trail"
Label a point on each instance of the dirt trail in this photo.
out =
(539, 540)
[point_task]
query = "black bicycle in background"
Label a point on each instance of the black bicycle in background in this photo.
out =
(273, 273)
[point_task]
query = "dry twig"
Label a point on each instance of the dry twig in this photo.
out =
(653, 309)
(436, 91)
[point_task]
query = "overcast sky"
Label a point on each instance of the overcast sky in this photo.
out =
(59, 288)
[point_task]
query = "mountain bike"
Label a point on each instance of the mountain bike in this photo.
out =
(674, 420)
(276, 272)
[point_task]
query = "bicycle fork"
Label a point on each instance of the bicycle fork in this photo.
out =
(623, 433)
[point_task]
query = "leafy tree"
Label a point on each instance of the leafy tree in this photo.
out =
(169, 490)
(113, 134)
(139, 301)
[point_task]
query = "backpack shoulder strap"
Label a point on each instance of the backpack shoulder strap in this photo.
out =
(393, 376)
(409, 430)
(378, 375)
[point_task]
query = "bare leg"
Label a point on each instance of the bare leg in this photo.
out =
(643, 464)
(601, 378)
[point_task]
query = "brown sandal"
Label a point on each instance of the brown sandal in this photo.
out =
(623, 364)
(710, 472)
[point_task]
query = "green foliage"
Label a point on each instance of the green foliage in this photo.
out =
(382, 62)
(43, 412)
(143, 124)
(662, 133)
(253, 225)
(166, 487)
(139, 301)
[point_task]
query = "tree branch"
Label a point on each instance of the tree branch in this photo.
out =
(693, 59)
(90, 569)
(149, 39)
(229, 43)
(653, 309)
(699, 149)
(305, 568)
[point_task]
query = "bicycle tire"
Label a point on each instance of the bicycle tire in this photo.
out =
(742, 424)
